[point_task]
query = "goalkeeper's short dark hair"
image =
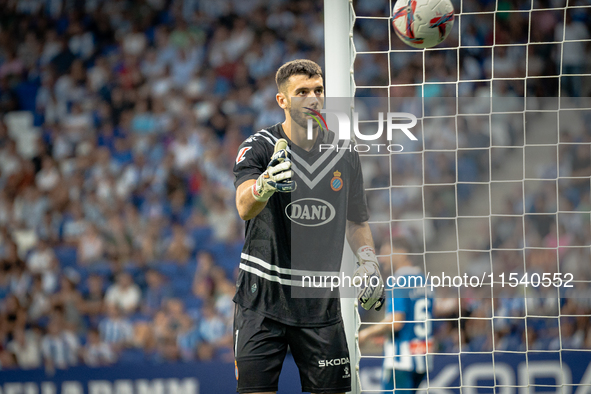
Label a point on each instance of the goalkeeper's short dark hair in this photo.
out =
(296, 67)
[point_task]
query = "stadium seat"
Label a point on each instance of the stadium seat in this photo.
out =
(188, 269)
(227, 256)
(135, 272)
(66, 255)
(26, 92)
(193, 307)
(132, 356)
(182, 286)
(201, 237)
(102, 268)
(168, 269)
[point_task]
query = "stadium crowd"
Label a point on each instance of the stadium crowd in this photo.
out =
(119, 239)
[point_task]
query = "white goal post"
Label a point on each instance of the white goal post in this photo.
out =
(339, 56)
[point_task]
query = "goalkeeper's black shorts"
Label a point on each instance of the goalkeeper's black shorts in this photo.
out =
(260, 346)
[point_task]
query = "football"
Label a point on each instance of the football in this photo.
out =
(423, 23)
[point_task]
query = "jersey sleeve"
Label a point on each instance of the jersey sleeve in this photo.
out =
(357, 205)
(251, 161)
(401, 300)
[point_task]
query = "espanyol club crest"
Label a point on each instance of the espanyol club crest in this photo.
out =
(336, 183)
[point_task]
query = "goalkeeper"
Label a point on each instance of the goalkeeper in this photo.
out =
(299, 204)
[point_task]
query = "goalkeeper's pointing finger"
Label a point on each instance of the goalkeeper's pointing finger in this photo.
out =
(286, 165)
(282, 176)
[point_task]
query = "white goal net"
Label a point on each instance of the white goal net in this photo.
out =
(496, 187)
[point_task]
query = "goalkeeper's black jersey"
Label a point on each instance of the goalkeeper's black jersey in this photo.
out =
(301, 233)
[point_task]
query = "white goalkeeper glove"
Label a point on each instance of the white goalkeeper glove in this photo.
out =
(371, 293)
(277, 176)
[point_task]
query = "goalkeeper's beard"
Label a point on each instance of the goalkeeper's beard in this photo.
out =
(300, 119)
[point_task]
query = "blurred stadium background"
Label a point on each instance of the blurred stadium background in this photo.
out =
(120, 121)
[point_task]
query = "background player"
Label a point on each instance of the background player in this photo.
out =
(278, 251)
(408, 312)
